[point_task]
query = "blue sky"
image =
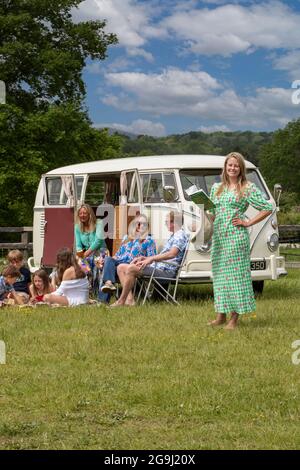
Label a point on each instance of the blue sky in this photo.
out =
(188, 65)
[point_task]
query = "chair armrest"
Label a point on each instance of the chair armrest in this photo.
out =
(166, 262)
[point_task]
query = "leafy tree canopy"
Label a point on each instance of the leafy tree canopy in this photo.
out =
(43, 52)
(215, 143)
(34, 143)
(280, 159)
(43, 124)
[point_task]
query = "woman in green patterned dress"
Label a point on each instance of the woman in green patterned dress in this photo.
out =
(233, 291)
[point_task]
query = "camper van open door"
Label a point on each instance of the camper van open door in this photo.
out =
(129, 204)
(60, 203)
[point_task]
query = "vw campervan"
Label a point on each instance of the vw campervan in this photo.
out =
(118, 189)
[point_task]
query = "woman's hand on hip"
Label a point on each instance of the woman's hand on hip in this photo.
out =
(237, 221)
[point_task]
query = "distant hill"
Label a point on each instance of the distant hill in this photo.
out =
(215, 143)
(113, 131)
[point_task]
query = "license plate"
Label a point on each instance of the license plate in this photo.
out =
(258, 265)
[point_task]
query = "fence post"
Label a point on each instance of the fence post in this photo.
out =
(25, 240)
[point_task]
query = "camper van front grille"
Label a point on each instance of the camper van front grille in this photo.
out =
(42, 224)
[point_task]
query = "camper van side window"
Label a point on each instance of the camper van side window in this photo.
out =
(169, 187)
(56, 195)
(95, 192)
(253, 176)
(132, 188)
(155, 185)
(79, 185)
(152, 187)
(102, 190)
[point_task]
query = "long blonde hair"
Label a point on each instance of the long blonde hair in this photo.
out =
(92, 219)
(242, 179)
(132, 229)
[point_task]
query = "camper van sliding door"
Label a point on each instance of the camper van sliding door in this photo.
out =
(129, 206)
(59, 201)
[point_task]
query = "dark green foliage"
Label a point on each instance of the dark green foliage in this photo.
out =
(43, 125)
(216, 143)
(280, 159)
(43, 52)
(34, 143)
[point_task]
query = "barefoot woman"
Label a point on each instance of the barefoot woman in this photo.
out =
(233, 292)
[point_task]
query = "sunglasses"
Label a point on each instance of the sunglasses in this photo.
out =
(141, 223)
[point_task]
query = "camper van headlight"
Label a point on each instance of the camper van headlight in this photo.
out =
(273, 242)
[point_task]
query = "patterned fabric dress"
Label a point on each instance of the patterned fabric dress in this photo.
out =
(232, 283)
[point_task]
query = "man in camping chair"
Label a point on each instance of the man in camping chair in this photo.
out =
(172, 252)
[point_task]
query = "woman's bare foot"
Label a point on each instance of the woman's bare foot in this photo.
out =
(232, 322)
(116, 304)
(130, 302)
(220, 320)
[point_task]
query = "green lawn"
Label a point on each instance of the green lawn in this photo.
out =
(291, 254)
(153, 377)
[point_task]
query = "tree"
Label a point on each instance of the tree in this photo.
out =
(34, 143)
(43, 124)
(280, 159)
(43, 52)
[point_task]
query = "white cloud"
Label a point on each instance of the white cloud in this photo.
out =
(130, 20)
(198, 95)
(135, 51)
(138, 127)
(223, 28)
(117, 65)
(95, 68)
(290, 63)
(216, 128)
(160, 93)
(230, 29)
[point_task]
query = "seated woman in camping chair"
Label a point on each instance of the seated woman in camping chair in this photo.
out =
(137, 243)
(173, 251)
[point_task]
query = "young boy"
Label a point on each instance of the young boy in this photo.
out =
(21, 286)
(9, 276)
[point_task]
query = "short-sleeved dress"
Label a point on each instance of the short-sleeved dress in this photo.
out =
(232, 284)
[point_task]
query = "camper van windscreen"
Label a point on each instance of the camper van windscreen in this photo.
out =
(205, 178)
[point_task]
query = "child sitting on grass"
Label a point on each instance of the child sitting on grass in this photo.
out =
(9, 276)
(73, 284)
(21, 286)
(40, 286)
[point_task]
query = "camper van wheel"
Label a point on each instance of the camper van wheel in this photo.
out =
(258, 287)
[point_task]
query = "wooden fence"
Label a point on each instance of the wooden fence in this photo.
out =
(24, 244)
(287, 234)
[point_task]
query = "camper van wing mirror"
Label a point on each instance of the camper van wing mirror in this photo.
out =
(169, 193)
(277, 193)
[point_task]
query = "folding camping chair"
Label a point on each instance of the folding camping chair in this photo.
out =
(165, 287)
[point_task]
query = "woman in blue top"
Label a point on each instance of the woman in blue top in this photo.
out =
(89, 236)
(138, 242)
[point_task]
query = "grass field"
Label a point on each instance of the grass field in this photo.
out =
(291, 254)
(154, 377)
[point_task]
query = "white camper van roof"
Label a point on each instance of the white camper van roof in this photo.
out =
(144, 163)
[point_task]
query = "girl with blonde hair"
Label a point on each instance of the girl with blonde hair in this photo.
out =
(241, 181)
(232, 284)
